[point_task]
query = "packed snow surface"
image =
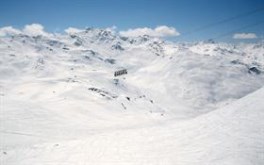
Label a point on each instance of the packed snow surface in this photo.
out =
(180, 103)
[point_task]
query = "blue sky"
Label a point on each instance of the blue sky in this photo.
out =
(184, 15)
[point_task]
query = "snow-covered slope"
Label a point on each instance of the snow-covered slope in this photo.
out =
(230, 135)
(179, 103)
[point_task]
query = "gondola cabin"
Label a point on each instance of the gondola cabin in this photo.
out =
(120, 72)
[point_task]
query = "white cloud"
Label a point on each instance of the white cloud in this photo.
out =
(112, 29)
(245, 36)
(160, 31)
(35, 29)
(9, 30)
(31, 30)
(72, 30)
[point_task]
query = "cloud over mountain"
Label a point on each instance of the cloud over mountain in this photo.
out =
(159, 31)
(35, 29)
(31, 30)
(71, 30)
(244, 36)
(8, 30)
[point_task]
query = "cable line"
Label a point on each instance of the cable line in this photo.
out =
(224, 21)
(238, 29)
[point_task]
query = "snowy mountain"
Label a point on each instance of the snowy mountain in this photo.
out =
(180, 103)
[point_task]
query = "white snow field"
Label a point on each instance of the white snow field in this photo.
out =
(180, 103)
